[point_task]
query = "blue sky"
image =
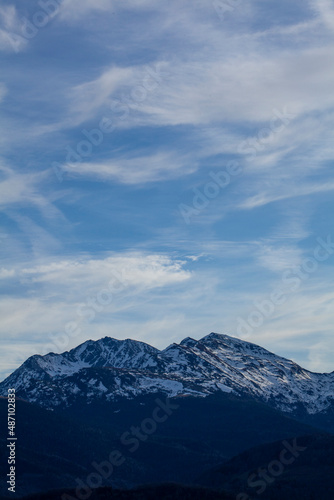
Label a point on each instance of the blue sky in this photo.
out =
(166, 171)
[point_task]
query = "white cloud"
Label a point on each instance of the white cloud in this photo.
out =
(18, 190)
(74, 10)
(229, 89)
(319, 354)
(6, 273)
(326, 11)
(22, 191)
(158, 302)
(50, 293)
(87, 98)
(143, 271)
(277, 258)
(10, 27)
(70, 281)
(293, 191)
(244, 88)
(305, 316)
(139, 169)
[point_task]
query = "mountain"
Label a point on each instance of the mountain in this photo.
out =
(267, 471)
(227, 396)
(162, 492)
(58, 447)
(110, 369)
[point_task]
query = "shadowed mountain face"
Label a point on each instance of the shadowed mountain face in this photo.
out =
(109, 370)
(75, 409)
(298, 469)
(57, 448)
(161, 492)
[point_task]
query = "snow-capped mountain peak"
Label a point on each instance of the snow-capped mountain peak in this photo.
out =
(108, 351)
(111, 369)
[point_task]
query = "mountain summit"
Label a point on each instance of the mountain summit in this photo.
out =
(110, 369)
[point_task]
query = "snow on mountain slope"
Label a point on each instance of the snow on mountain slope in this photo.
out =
(110, 369)
(251, 369)
(104, 352)
(112, 352)
(40, 376)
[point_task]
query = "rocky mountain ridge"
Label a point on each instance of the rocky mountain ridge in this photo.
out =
(110, 369)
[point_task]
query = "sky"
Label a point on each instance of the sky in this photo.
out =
(166, 170)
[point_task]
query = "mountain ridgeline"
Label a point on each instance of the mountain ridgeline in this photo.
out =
(206, 413)
(110, 370)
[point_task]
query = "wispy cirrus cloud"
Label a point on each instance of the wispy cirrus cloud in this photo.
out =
(190, 93)
(10, 26)
(136, 170)
(24, 189)
(326, 12)
(48, 295)
(74, 10)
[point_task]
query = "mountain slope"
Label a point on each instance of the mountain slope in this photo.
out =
(111, 369)
(274, 472)
(162, 492)
(57, 447)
